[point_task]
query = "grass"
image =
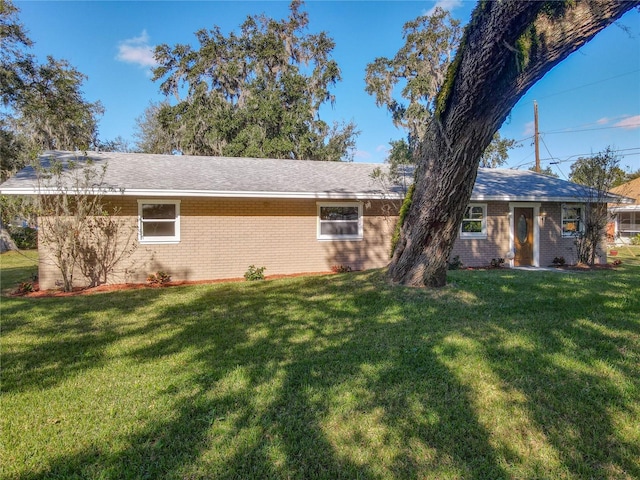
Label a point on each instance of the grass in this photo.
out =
(502, 374)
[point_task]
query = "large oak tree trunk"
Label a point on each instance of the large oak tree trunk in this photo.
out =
(507, 47)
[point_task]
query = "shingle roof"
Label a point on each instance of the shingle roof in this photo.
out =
(630, 189)
(135, 173)
(169, 175)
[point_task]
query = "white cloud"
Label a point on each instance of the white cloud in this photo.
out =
(383, 148)
(362, 155)
(629, 122)
(603, 121)
(529, 129)
(137, 50)
(448, 5)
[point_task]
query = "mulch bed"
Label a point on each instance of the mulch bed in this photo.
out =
(582, 267)
(117, 287)
(37, 293)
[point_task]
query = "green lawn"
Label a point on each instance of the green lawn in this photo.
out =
(502, 374)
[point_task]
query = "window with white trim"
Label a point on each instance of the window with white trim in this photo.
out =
(572, 219)
(474, 222)
(159, 221)
(340, 221)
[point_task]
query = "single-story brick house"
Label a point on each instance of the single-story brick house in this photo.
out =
(626, 218)
(204, 218)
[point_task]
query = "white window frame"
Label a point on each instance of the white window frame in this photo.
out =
(581, 219)
(483, 232)
(158, 240)
(358, 236)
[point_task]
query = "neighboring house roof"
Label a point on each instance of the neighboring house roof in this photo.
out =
(138, 174)
(630, 189)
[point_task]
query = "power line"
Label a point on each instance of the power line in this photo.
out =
(589, 84)
(571, 157)
(553, 132)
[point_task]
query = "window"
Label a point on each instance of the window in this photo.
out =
(572, 223)
(339, 221)
(628, 224)
(474, 222)
(159, 221)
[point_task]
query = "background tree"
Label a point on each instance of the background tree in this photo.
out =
(546, 171)
(632, 175)
(419, 68)
(599, 174)
(42, 104)
(253, 93)
(497, 152)
(600, 170)
(149, 135)
(118, 144)
(507, 47)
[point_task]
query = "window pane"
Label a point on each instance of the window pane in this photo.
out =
(158, 229)
(339, 213)
(624, 218)
(472, 226)
(476, 212)
(572, 212)
(571, 226)
(159, 211)
(339, 228)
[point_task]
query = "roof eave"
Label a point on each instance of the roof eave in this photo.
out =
(223, 194)
(539, 198)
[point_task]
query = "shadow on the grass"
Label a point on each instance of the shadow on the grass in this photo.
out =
(346, 377)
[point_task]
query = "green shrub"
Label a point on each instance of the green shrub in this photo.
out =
(340, 268)
(26, 238)
(24, 288)
(635, 240)
(455, 263)
(254, 273)
(496, 262)
(158, 278)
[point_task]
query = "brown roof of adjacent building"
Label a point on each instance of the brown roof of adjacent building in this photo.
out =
(630, 189)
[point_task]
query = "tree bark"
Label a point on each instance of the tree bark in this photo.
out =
(507, 47)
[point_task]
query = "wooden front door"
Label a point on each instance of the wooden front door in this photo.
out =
(523, 233)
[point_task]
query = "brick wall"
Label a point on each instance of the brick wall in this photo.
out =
(220, 238)
(479, 252)
(474, 252)
(553, 244)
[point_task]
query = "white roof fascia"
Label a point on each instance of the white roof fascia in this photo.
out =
(216, 194)
(258, 194)
(529, 198)
(626, 208)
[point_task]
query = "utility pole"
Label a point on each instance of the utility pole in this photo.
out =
(536, 136)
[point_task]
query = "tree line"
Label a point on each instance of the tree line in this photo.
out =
(256, 92)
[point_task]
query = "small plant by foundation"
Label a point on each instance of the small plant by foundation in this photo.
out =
(158, 278)
(254, 273)
(558, 261)
(496, 262)
(24, 288)
(340, 268)
(455, 263)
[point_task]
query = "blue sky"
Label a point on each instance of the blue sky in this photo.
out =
(588, 102)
